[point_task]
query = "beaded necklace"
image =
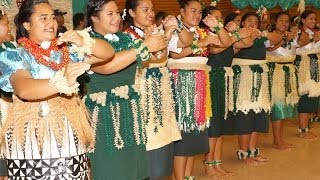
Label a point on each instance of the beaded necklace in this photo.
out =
(132, 32)
(39, 53)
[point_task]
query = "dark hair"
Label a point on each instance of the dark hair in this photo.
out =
(2, 14)
(25, 12)
(93, 9)
(230, 17)
(304, 15)
(160, 15)
(184, 3)
(207, 10)
(130, 4)
(275, 19)
(248, 14)
(77, 18)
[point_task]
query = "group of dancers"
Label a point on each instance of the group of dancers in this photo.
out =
(155, 96)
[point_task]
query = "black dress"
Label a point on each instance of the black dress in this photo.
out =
(251, 122)
(218, 124)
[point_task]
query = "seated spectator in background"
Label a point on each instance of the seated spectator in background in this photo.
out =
(159, 17)
(60, 19)
(79, 21)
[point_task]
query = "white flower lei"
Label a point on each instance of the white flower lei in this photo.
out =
(60, 82)
(85, 49)
(115, 112)
(121, 91)
(99, 97)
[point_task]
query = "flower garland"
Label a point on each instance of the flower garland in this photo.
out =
(39, 53)
(133, 33)
(189, 103)
(126, 43)
(287, 44)
(6, 45)
(271, 67)
(119, 109)
(214, 3)
(218, 86)
(236, 81)
(257, 81)
(262, 13)
(250, 94)
(200, 34)
(115, 112)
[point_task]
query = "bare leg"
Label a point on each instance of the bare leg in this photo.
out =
(210, 170)
(253, 144)
(3, 178)
(289, 145)
(179, 167)
(218, 156)
(244, 146)
(303, 123)
(189, 166)
(276, 129)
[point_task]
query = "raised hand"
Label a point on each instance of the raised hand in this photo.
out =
(72, 37)
(156, 43)
(231, 26)
(255, 33)
(74, 70)
(290, 35)
(245, 32)
(210, 39)
(210, 21)
(170, 21)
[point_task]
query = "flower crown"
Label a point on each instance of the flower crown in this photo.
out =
(262, 13)
(124, 14)
(214, 3)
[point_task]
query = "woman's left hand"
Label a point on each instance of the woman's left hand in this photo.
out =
(210, 21)
(71, 36)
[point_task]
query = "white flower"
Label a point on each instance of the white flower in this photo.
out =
(111, 37)
(213, 3)
(124, 13)
(45, 44)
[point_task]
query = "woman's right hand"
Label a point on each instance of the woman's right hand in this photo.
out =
(210, 39)
(231, 26)
(74, 70)
(156, 43)
(245, 32)
(255, 33)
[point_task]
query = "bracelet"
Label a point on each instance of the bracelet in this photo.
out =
(86, 48)
(194, 47)
(143, 53)
(218, 27)
(60, 82)
(237, 35)
(180, 25)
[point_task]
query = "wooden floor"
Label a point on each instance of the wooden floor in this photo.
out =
(301, 163)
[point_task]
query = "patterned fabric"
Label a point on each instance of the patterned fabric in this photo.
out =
(15, 59)
(69, 168)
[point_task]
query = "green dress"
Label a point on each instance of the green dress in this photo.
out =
(108, 162)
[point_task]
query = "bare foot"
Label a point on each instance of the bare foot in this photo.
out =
(223, 171)
(213, 173)
(288, 144)
(250, 162)
(282, 146)
(307, 135)
(260, 158)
